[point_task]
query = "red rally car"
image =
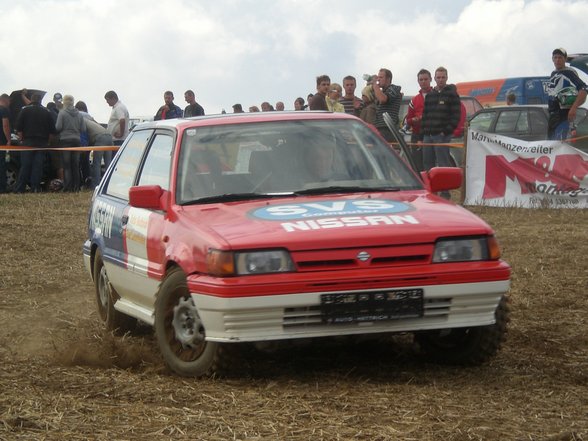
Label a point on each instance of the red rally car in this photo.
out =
(273, 226)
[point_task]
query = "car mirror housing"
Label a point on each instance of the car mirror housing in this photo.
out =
(443, 178)
(151, 197)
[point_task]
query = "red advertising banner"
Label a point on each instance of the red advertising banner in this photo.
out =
(503, 171)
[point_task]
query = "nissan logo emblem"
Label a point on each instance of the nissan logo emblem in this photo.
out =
(364, 256)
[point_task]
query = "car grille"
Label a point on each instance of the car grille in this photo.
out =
(350, 258)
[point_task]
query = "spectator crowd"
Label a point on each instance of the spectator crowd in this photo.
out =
(57, 130)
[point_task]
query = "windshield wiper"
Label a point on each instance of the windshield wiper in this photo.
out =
(232, 197)
(343, 189)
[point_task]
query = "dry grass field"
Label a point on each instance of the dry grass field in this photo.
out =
(63, 378)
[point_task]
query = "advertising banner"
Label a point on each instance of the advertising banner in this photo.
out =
(509, 172)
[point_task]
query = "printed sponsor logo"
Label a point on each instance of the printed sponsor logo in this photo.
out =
(348, 221)
(102, 218)
(561, 175)
(331, 208)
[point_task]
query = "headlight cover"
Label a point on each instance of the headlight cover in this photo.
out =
(227, 263)
(466, 249)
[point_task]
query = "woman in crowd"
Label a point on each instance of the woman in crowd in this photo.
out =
(70, 126)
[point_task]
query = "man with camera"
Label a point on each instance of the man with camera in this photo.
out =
(388, 99)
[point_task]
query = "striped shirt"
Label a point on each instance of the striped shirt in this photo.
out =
(391, 106)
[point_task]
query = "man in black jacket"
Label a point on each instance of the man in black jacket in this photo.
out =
(440, 118)
(34, 126)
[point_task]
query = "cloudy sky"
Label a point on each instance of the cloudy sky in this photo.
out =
(249, 51)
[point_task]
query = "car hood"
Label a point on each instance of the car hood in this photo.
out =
(333, 221)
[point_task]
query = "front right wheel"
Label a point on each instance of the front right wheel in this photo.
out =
(180, 332)
(466, 346)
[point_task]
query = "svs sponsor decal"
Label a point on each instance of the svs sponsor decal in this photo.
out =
(330, 208)
(337, 214)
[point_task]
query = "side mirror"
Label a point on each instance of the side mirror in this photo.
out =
(443, 178)
(151, 197)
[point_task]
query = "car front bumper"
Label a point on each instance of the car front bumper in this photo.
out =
(298, 315)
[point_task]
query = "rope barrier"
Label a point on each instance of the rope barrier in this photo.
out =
(101, 148)
(461, 144)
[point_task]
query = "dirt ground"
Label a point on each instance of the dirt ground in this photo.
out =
(63, 378)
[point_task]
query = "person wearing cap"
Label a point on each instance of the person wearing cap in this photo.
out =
(58, 100)
(566, 93)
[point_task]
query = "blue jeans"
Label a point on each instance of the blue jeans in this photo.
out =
(562, 130)
(97, 157)
(71, 166)
(436, 156)
(31, 170)
(31, 166)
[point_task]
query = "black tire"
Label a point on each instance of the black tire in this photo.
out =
(106, 297)
(466, 346)
(11, 176)
(181, 335)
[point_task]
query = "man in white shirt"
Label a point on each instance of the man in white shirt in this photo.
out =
(118, 124)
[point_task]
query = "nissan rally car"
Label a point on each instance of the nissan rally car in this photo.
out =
(276, 226)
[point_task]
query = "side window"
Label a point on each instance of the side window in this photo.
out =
(507, 122)
(482, 121)
(523, 123)
(157, 164)
(127, 163)
(538, 124)
(471, 105)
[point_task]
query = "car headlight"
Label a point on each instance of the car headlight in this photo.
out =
(229, 263)
(466, 249)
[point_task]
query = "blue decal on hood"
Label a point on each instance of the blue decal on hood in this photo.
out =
(330, 208)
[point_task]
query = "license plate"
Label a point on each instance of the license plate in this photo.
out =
(371, 306)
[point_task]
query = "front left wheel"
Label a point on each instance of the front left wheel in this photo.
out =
(180, 332)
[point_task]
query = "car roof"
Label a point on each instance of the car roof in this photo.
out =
(579, 61)
(246, 118)
(515, 107)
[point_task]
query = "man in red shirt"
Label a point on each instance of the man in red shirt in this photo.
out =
(415, 114)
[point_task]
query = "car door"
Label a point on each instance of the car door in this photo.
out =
(144, 228)
(109, 216)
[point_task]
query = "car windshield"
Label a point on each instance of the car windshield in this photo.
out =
(270, 159)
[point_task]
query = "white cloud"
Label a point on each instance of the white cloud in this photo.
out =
(250, 51)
